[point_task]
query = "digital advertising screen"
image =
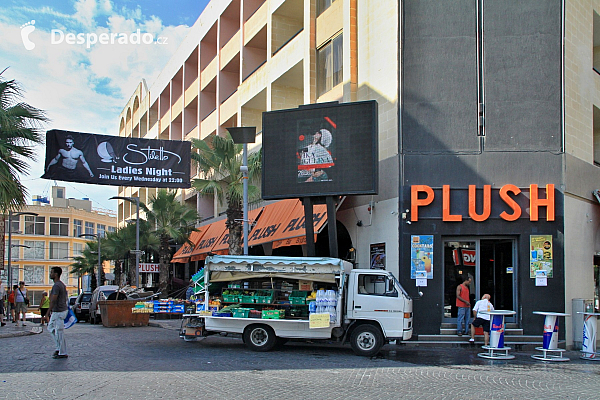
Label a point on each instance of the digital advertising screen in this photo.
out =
(116, 160)
(320, 150)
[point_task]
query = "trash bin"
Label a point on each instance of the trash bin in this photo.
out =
(579, 306)
(118, 313)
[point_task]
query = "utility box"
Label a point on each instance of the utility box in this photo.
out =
(579, 306)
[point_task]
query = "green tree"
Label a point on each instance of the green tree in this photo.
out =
(87, 263)
(170, 221)
(20, 130)
(219, 160)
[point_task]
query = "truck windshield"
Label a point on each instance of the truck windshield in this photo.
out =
(399, 286)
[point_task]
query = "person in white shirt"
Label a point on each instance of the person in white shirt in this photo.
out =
(482, 319)
(2, 295)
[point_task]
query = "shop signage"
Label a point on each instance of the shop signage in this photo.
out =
(423, 196)
(421, 254)
(148, 268)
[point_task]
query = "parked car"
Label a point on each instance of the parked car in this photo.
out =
(72, 301)
(99, 294)
(82, 306)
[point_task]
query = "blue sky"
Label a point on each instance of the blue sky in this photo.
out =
(84, 86)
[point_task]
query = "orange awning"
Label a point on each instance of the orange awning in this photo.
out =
(183, 254)
(222, 245)
(284, 220)
(213, 233)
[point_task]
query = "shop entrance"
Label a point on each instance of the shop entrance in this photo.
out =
(492, 264)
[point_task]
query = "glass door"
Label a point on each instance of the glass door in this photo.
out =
(490, 262)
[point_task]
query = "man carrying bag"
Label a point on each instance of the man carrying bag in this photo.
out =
(58, 312)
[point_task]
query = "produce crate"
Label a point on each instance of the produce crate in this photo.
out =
(255, 314)
(221, 314)
(265, 297)
(241, 312)
(231, 298)
(247, 299)
(273, 314)
(297, 300)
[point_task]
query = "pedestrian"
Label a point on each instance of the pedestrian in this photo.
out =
(463, 304)
(57, 313)
(11, 303)
(44, 305)
(482, 319)
(189, 293)
(2, 297)
(21, 303)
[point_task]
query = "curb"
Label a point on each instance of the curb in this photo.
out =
(32, 331)
(163, 326)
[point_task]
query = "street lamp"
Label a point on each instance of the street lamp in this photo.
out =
(97, 236)
(244, 135)
(135, 200)
(10, 216)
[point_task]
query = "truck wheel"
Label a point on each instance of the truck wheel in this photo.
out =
(366, 340)
(259, 338)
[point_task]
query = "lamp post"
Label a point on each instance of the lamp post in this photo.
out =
(135, 200)
(99, 258)
(244, 135)
(10, 215)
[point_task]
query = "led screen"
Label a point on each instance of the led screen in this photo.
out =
(320, 150)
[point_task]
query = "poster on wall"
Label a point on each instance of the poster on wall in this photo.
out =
(541, 255)
(421, 254)
(377, 255)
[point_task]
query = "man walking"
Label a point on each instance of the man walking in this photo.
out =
(2, 295)
(463, 304)
(21, 302)
(58, 312)
(482, 319)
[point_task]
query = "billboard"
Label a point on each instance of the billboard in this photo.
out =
(116, 160)
(320, 150)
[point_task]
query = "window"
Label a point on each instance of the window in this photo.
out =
(101, 229)
(89, 228)
(14, 255)
(59, 250)
(59, 226)
(112, 229)
(35, 225)
(35, 250)
(34, 274)
(77, 249)
(323, 5)
(35, 296)
(329, 65)
(77, 227)
(596, 43)
(378, 285)
(64, 277)
(14, 226)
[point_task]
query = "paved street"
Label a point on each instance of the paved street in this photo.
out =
(154, 363)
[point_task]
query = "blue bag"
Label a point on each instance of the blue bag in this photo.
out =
(70, 319)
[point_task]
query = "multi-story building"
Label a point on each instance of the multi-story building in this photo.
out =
(52, 239)
(489, 135)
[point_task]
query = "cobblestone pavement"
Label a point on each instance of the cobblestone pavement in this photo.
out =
(154, 363)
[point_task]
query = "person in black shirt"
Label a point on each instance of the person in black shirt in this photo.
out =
(58, 312)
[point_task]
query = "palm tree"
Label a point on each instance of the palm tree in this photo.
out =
(170, 220)
(87, 263)
(20, 129)
(219, 163)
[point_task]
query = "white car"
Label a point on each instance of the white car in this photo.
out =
(102, 293)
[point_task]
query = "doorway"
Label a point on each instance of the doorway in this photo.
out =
(492, 265)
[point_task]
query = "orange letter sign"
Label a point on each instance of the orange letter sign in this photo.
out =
(415, 202)
(446, 206)
(487, 203)
(535, 202)
(510, 202)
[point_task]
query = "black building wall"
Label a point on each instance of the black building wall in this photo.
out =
(508, 55)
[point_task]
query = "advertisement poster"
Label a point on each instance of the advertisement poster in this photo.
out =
(315, 150)
(377, 256)
(116, 160)
(541, 255)
(421, 254)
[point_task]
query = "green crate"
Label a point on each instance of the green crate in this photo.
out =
(247, 299)
(241, 312)
(273, 314)
(231, 298)
(297, 300)
(265, 296)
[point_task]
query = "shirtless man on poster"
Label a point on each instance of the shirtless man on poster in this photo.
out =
(69, 158)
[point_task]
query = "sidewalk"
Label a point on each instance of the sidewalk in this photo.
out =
(12, 330)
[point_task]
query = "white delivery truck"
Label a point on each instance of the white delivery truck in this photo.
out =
(370, 307)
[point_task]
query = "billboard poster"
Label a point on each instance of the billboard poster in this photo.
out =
(377, 256)
(116, 160)
(320, 150)
(421, 254)
(541, 255)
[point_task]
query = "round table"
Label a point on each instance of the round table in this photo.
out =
(588, 348)
(496, 349)
(550, 338)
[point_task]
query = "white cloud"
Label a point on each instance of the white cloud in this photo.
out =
(83, 89)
